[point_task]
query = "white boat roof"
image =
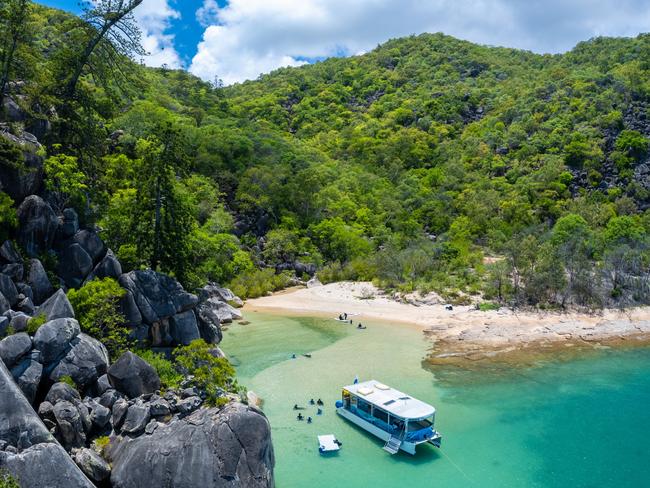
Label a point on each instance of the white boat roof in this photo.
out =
(391, 400)
(328, 443)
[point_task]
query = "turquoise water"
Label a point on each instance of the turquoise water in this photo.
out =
(582, 423)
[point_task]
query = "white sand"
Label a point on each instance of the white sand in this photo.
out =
(464, 327)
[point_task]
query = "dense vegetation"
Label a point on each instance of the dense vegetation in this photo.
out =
(429, 163)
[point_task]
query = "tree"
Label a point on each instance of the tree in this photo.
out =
(96, 305)
(64, 180)
(110, 34)
(163, 216)
(213, 374)
(13, 31)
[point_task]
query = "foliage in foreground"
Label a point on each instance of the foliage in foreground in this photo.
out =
(214, 375)
(96, 306)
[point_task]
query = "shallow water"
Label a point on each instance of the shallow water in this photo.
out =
(581, 423)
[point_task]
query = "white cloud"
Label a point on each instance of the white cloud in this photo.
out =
(249, 37)
(154, 17)
(208, 13)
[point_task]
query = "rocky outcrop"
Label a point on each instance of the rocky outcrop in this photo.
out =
(37, 225)
(19, 182)
(35, 459)
(211, 448)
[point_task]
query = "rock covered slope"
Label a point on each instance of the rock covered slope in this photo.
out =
(48, 429)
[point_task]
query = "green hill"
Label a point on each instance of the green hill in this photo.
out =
(407, 165)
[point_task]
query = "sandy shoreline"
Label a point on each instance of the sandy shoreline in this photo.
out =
(464, 332)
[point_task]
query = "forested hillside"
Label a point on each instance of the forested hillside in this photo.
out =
(429, 163)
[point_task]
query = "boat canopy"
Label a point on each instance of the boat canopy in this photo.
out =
(391, 400)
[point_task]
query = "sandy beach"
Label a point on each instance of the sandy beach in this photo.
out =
(464, 332)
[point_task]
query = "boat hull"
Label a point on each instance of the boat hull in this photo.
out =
(408, 447)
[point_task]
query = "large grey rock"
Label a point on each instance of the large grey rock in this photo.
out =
(70, 428)
(54, 338)
(74, 265)
(26, 306)
(159, 407)
(133, 376)
(15, 271)
(28, 373)
(19, 322)
(130, 310)
(209, 323)
(26, 180)
(14, 347)
(44, 466)
(19, 424)
(4, 304)
(91, 243)
(184, 328)
(4, 325)
(9, 254)
(92, 464)
(8, 289)
(85, 362)
(56, 307)
(211, 448)
(137, 418)
(69, 223)
(100, 415)
(118, 412)
(156, 295)
(108, 267)
(222, 311)
(212, 290)
(37, 225)
(60, 392)
(39, 282)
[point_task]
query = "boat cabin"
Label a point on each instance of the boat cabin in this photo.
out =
(396, 417)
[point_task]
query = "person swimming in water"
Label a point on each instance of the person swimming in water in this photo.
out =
(312, 402)
(295, 406)
(309, 420)
(319, 411)
(319, 402)
(300, 417)
(360, 326)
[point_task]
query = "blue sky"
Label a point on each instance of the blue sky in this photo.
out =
(237, 40)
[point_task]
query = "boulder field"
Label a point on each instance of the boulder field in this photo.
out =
(116, 428)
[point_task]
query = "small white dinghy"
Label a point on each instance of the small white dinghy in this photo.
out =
(328, 443)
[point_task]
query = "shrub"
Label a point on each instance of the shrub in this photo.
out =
(169, 375)
(8, 220)
(101, 443)
(96, 306)
(258, 282)
(68, 381)
(214, 375)
(34, 323)
(487, 306)
(7, 480)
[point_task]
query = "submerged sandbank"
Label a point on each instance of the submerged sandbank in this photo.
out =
(464, 332)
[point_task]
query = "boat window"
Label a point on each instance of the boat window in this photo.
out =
(389, 402)
(363, 406)
(405, 398)
(381, 415)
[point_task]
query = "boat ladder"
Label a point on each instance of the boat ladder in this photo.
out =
(393, 444)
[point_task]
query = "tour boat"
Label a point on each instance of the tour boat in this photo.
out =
(395, 417)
